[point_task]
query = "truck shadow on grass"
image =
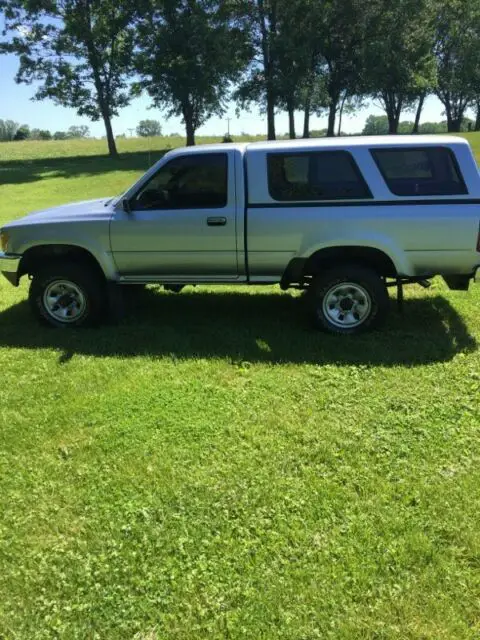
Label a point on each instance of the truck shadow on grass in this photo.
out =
(240, 327)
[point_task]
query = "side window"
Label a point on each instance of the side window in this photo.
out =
(427, 171)
(315, 175)
(195, 181)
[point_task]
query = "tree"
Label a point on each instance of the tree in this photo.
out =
(188, 53)
(433, 127)
(60, 135)
(22, 133)
(259, 83)
(8, 129)
(79, 50)
(36, 134)
(306, 95)
(78, 131)
(313, 96)
(341, 28)
(375, 126)
(400, 65)
(458, 58)
(149, 128)
(293, 51)
(281, 73)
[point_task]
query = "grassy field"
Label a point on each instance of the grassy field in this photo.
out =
(213, 468)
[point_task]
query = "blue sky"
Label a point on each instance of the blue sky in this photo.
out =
(16, 104)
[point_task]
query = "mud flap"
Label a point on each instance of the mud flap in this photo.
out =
(457, 282)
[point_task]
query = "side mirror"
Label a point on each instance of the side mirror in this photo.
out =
(126, 206)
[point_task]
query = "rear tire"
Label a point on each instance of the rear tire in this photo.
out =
(67, 295)
(348, 299)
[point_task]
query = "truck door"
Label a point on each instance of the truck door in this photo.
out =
(182, 221)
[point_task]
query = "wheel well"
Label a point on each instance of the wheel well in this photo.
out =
(299, 271)
(38, 257)
(367, 256)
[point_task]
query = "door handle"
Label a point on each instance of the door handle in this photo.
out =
(219, 221)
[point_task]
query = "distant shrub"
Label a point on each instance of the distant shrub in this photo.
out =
(78, 131)
(149, 128)
(318, 133)
(8, 129)
(23, 133)
(40, 134)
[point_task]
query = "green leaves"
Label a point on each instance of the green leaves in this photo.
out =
(188, 53)
(399, 60)
(458, 57)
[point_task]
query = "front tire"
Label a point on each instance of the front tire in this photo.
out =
(67, 295)
(348, 299)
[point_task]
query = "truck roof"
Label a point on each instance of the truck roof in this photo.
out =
(361, 141)
(337, 142)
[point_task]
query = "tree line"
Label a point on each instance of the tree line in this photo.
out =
(10, 130)
(192, 56)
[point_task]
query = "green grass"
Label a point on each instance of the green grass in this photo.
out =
(213, 468)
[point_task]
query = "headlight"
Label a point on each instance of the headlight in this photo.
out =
(4, 240)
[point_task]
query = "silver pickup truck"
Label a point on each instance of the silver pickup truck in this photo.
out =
(340, 218)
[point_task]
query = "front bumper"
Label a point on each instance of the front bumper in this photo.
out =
(9, 266)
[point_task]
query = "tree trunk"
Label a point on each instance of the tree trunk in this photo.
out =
(392, 125)
(393, 115)
(270, 115)
(392, 103)
(454, 124)
(267, 27)
(103, 107)
(102, 99)
(454, 110)
(189, 120)
(112, 145)
(416, 124)
(477, 116)
(291, 120)
(306, 119)
(308, 96)
(332, 114)
(340, 114)
(454, 118)
(190, 131)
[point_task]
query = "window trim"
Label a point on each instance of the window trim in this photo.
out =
(144, 184)
(310, 152)
(374, 151)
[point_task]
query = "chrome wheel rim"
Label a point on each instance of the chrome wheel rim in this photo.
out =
(347, 305)
(64, 301)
